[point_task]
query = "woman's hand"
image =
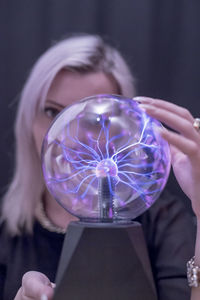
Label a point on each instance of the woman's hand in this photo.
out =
(35, 285)
(184, 143)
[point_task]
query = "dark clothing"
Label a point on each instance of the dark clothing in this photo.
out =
(169, 232)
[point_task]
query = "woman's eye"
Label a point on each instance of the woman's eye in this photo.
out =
(51, 112)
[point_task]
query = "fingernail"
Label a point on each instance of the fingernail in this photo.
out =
(143, 99)
(137, 98)
(145, 107)
(44, 297)
(159, 130)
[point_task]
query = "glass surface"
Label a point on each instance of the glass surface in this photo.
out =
(104, 160)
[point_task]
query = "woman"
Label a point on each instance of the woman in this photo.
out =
(33, 223)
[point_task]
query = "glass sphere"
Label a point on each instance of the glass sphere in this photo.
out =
(103, 159)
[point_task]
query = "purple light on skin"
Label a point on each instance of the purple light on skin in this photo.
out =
(108, 146)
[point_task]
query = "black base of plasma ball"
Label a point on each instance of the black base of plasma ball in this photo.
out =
(104, 261)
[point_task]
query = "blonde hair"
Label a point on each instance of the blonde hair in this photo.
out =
(84, 54)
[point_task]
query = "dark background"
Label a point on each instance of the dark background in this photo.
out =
(159, 38)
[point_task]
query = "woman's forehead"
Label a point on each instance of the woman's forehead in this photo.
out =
(68, 87)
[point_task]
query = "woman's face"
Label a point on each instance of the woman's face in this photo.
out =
(67, 88)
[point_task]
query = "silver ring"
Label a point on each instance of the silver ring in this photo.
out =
(196, 124)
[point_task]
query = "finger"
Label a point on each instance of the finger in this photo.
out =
(172, 120)
(44, 297)
(185, 145)
(20, 295)
(53, 285)
(175, 153)
(171, 107)
(36, 284)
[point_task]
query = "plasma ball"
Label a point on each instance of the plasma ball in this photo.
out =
(106, 167)
(104, 160)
